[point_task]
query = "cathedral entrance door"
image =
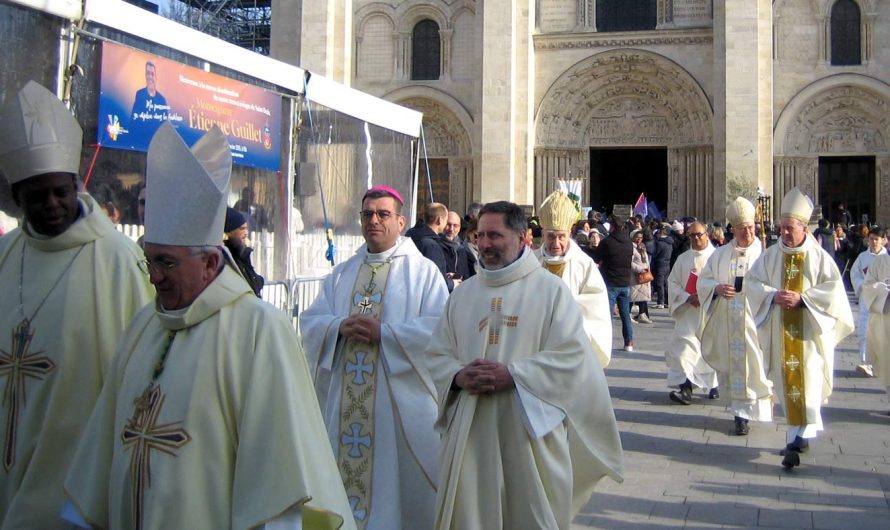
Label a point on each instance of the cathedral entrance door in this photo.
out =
(438, 173)
(619, 175)
(849, 180)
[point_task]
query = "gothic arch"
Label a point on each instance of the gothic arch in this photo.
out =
(624, 97)
(442, 115)
(841, 114)
(414, 14)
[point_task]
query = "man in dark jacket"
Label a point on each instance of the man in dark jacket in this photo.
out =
(426, 237)
(825, 236)
(460, 263)
(614, 255)
(661, 264)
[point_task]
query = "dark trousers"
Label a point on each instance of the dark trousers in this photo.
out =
(660, 285)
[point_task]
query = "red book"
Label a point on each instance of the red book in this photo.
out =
(692, 283)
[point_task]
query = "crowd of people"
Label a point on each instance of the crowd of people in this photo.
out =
(440, 380)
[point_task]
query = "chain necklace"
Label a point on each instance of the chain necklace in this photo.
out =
(26, 322)
(143, 402)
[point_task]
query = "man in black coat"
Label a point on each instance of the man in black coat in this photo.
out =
(426, 237)
(661, 264)
(460, 263)
(614, 255)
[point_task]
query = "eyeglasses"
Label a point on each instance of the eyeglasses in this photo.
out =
(697, 234)
(382, 215)
(159, 265)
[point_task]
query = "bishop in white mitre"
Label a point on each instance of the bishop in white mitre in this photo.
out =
(687, 368)
(207, 418)
(801, 310)
(875, 299)
(71, 283)
(563, 257)
(364, 337)
(727, 331)
(524, 408)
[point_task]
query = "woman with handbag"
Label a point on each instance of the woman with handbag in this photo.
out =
(641, 291)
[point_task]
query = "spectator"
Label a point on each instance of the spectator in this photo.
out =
(614, 255)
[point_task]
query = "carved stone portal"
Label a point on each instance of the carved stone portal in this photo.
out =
(624, 97)
(841, 120)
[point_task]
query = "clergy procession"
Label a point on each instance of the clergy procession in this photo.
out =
(399, 405)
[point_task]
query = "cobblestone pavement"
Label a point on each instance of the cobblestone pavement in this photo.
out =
(685, 468)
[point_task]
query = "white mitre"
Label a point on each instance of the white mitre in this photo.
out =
(558, 212)
(186, 189)
(797, 206)
(38, 135)
(740, 211)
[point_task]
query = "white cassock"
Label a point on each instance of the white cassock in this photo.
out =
(857, 276)
(529, 457)
(683, 355)
(729, 336)
(80, 289)
(875, 299)
(826, 320)
(228, 436)
(583, 277)
(404, 465)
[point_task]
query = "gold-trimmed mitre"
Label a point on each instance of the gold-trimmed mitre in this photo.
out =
(740, 211)
(797, 206)
(558, 212)
(186, 189)
(38, 135)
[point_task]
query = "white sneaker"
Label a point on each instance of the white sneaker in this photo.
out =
(644, 318)
(865, 370)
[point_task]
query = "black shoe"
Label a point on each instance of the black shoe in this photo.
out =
(682, 396)
(791, 460)
(741, 426)
(799, 445)
(714, 393)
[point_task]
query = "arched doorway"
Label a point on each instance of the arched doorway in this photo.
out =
(449, 150)
(628, 107)
(831, 140)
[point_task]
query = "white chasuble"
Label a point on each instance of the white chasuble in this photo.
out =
(228, 435)
(875, 299)
(583, 277)
(527, 458)
(683, 355)
(390, 474)
(78, 291)
(825, 319)
(729, 336)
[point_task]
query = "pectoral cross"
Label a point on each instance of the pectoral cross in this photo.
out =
(141, 434)
(496, 320)
(792, 271)
(17, 365)
(366, 301)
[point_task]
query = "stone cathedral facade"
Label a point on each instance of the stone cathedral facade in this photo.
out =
(688, 101)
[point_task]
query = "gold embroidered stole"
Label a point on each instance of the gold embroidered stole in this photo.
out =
(792, 343)
(556, 267)
(355, 453)
(738, 348)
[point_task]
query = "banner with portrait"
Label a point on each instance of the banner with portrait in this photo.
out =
(139, 91)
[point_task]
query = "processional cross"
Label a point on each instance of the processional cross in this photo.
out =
(17, 365)
(141, 434)
(496, 319)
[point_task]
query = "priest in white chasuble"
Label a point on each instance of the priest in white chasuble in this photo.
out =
(560, 255)
(207, 418)
(364, 337)
(801, 310)
(524, 408)
(727, 332)
(71, 284)
(875, 298)
(687, 368)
